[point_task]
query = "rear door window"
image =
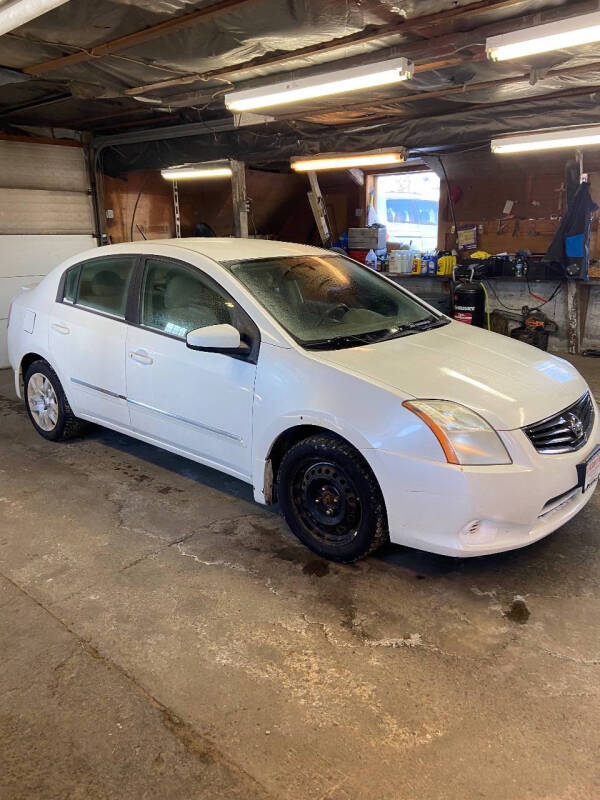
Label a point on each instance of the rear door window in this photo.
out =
(104, 284)
(71, 279)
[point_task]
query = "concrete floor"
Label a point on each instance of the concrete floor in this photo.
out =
(163, 637)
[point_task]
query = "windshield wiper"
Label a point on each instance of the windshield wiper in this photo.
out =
(337, 342)
(419, 325)
(426, 322)
(374, 337)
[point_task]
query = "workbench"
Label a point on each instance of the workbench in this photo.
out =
(571, 315)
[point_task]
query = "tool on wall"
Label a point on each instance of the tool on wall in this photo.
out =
(583, 176)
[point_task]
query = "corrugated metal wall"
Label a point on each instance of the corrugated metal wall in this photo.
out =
(46, 215)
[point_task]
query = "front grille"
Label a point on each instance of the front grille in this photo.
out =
(566, 431)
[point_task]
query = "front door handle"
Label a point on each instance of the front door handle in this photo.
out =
(60, 328)
(141, 357)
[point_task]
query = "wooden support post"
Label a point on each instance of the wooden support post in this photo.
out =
(317, 204)
(572, 318)
(583, 296)
(176, 213)
(238, 190)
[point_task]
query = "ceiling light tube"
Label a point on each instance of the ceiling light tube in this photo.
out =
(209, 169)
(572, 32)
(548, 140)
(17, 13)
(375, 158)
(341, 81)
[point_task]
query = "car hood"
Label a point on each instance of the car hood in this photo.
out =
(509, 383)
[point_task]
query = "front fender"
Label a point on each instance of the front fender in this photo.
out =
(293, 390)
(329, 423)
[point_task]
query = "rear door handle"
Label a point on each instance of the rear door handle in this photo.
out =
(60, 328)
(141, 357)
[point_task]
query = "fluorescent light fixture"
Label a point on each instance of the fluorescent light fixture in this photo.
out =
(369, 76)
(548, 140)
(572, 32)
(209, 169)
(375, 158)
(17, 13)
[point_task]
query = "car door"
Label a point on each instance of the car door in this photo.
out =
(197, 402)
(87, 336)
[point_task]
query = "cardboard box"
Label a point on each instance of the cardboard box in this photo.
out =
(367, 238)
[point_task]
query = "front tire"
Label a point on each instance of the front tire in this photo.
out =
(47, 405)
(331, 500)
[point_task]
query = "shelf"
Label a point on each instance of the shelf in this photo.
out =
(411, 275)
(509, 278)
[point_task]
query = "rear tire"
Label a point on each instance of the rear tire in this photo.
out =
(331, 500)
(47, 405)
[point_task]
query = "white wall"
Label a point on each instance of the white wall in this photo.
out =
(24, 260)
(46, 214)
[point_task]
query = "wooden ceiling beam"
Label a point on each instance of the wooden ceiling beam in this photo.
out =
(9, 137)
(173, 25)
(32, 105)
(389, 106)
(556, 95)
(224, 6)
(414, 50)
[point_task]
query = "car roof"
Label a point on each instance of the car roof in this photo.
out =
(218, 249)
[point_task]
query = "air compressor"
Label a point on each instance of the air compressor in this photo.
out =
(470, 304)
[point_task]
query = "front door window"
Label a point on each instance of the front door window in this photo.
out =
(176, 299)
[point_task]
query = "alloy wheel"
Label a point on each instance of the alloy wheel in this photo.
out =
(43, 402)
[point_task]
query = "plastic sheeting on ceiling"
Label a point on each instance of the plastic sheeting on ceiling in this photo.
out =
(249, 31)
(95, 94)
(459, 129)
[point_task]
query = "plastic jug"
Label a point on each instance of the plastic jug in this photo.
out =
(371, 259)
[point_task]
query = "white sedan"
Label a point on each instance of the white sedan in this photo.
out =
(364, 412)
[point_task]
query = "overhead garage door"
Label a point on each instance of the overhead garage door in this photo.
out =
(46, 215)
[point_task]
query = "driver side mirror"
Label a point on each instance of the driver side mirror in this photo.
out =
(217, 339)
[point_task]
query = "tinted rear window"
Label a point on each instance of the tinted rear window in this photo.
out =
(104, 284)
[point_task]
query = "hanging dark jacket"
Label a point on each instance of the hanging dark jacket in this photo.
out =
(570, 245)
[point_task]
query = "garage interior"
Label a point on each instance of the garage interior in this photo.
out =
(164, 636)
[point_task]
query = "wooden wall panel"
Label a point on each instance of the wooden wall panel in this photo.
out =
(279, 206)
(487, 181)
(154, 213)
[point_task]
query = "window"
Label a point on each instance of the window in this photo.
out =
(71, 279)
(407, 204)
(176, 299)
(104, 284)
(330, 301)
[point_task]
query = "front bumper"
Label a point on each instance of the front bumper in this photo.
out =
(471, 511)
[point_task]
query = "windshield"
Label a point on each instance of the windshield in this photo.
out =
(331, 301)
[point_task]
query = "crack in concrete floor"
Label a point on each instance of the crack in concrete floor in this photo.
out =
(316, 679)
(191, 739)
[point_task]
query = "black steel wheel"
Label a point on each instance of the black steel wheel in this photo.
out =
(331, 499)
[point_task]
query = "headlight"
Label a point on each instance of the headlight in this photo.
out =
(465, 437)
